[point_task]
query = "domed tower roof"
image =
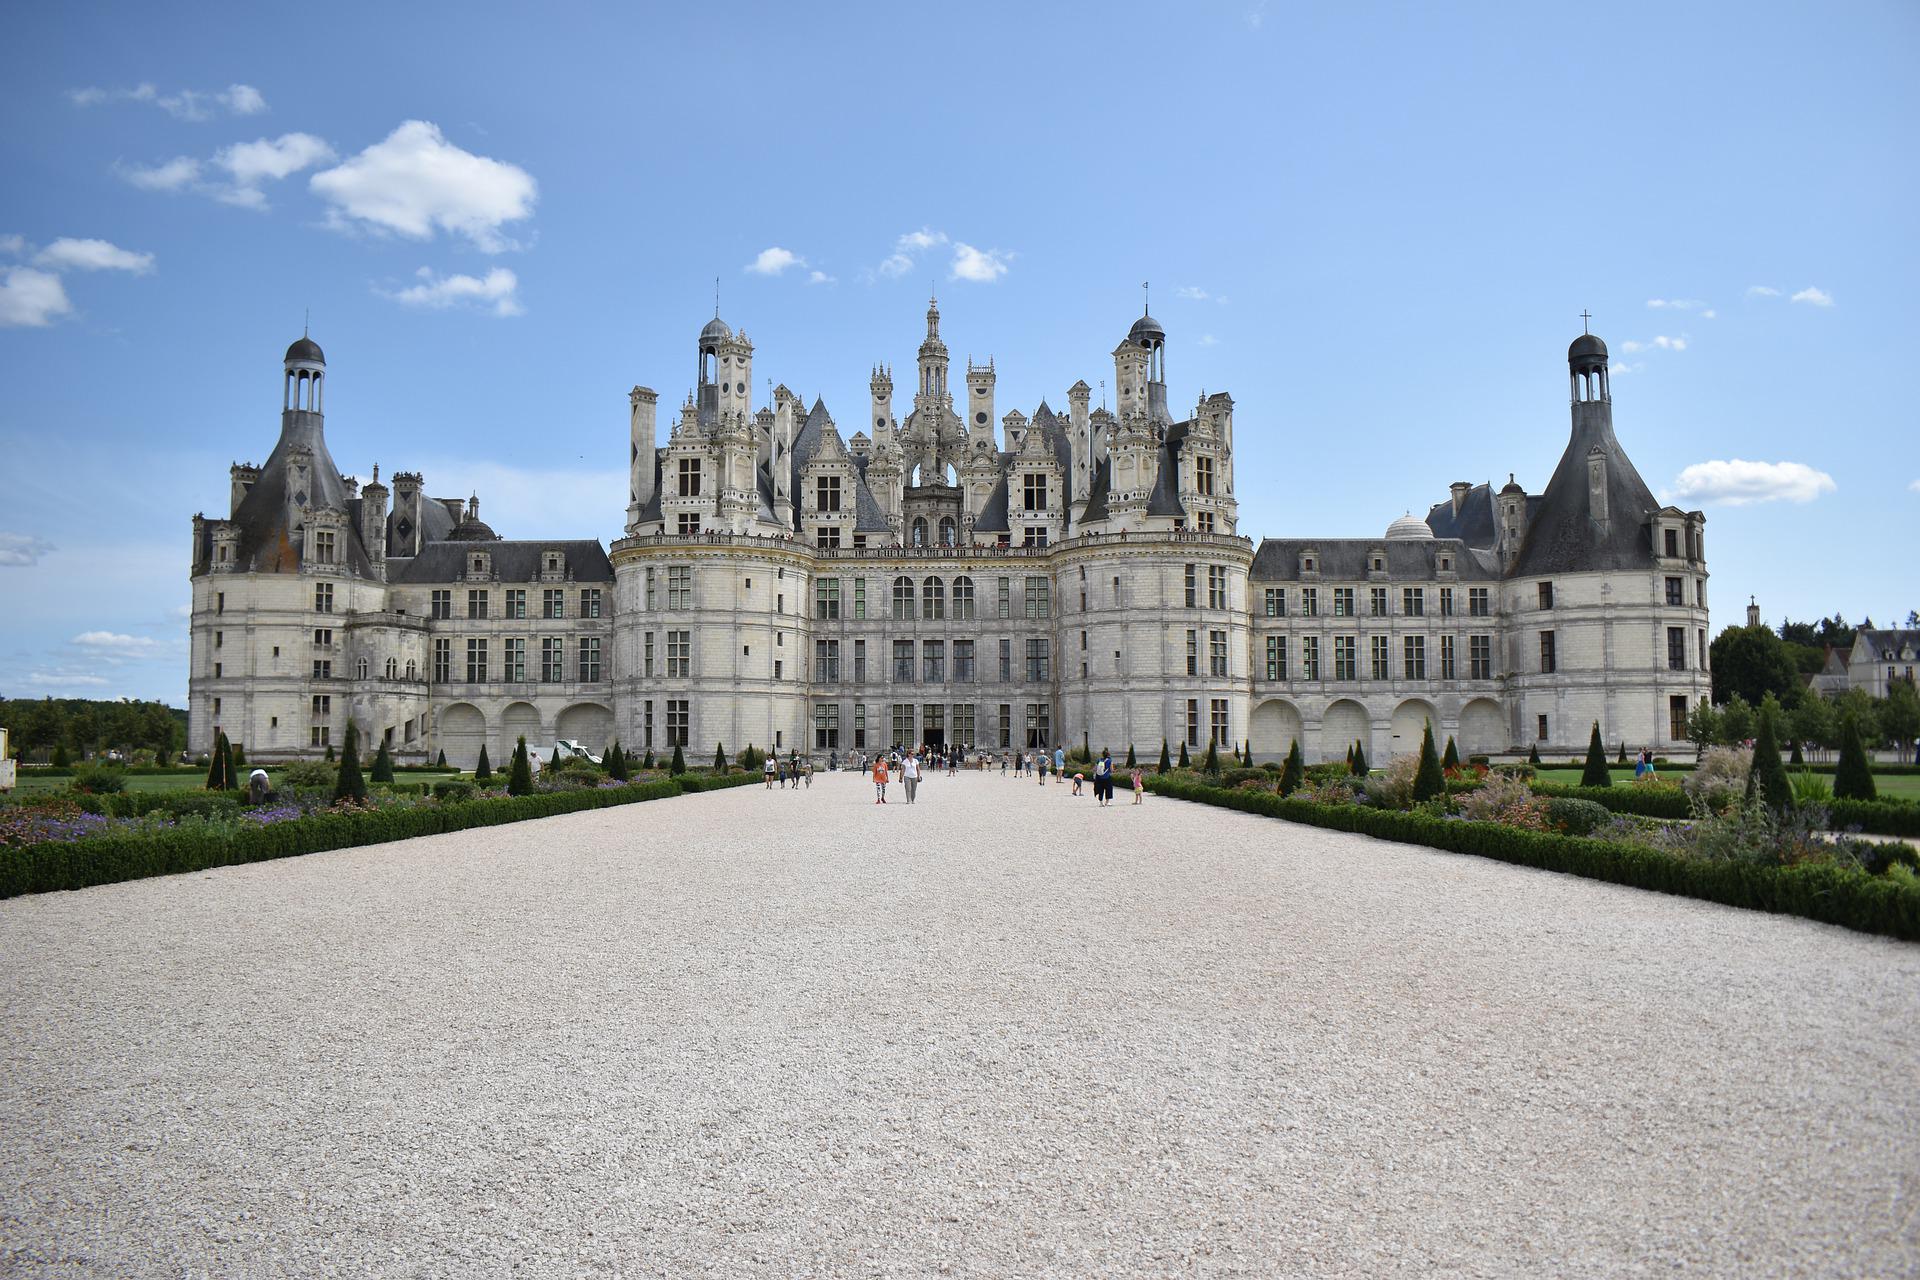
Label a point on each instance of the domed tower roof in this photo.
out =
(1587, 352)
(716, 330)
(306, 349)
(1408, 527)
(1146, 331)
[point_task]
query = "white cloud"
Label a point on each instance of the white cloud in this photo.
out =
(266, 159)
(1736, 483)
(21, 550)
(1191, 292)
(982, 266)
(908, 248)
(13, 244)
(31, 299)
(1709, 314)
(1762, 291)
(1813, 297)
(174, 175)
(1915, 486)
(1675, 304)
(773, 261)
(1660, 343)
(92, 255)
(64, 680)
(1207, 340)
(496, 292)
(1670, 344)
(819, 277)
(415, 181)
(114, 642)
(188, 104)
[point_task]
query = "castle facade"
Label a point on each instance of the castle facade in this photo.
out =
(952, 577)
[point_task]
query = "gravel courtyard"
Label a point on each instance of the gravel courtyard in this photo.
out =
(1001, 1032)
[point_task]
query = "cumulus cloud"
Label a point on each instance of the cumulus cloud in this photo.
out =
(12, 244)
(22, 550)
(982, 266)
(415, 182)
(819, 277)
(1737, 483)
(772, 261)
(114, 642)
(908, 248)
(1762, 291)
(266, 160)
(31, 299)
(65, 680)
(496, 292)
(1659, 343)
(1194, 293)
(1207, 340)
(187, 104)
(67, 253)
(1813, 297)
(1675, 304)
(176, 174)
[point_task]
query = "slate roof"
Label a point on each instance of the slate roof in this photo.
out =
(1888, 643)
(1350, 559)
(517, 561)
(1474, 524)
(267, 543)
(1561, 536)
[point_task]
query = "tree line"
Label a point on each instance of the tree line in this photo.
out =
(83, 727)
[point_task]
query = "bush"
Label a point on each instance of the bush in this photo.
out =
(1450, 759)
(520, 772)
(219, 764)
(382, 765)
(1577, 817)
(1647, 802)
(1720, 779)
(100, 779)
(753, 759)
(453, 791)
(60, 757)
(1185, 761)
(1594, 773)
(1240, 777)
(1810, 788)
(1767, 777)
(1504, 799)
(679, 765)
(1393, 788)
(1166, 760)
(1293, 773)
(348, 784)
(1429, 780)
(483, 771)
(1852, 778)
(1360, 766)
(1875, 817)
(1533, 755)
(307, 774)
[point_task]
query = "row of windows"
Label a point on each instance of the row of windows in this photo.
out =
(925, 664)
(551, 668)
(933, 723)
(553, 603)
(1379, 600)
(1380, 666)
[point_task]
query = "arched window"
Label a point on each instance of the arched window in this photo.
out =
(963, 598)
(393, 668)
(946, 531)
(903, 599)
(410, 669)
(933, 599)
(360, 669)
(919, 531)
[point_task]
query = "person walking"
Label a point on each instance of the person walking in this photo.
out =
(1060, 763)
(910, 776)
(1103, 780)
(879, 779)
(768, 772)
(1139, 785)
(807, 768)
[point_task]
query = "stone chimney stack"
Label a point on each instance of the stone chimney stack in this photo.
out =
(1460, 489)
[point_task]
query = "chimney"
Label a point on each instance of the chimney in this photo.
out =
(373, 520)
(1460, 489)
(245, 474)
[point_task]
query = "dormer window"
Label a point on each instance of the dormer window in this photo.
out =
(478, 564)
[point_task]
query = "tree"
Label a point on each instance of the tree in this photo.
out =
(1596, 774)
(1900, 716)
(1863, 709)
(1428, 780)
(554, 761)
(520, 772)
(1795, 755)
(1360, 766)
(679, 764)
(483, 771)
(382, 764)
(1166, 758)
(1736, 720)
(217, 763)
(719, 758)
(616, 763)
(1813, 722)
(1705, 726)
(1766, 776)
(1752, 662)
(1451, 760)
(1852, 777)
(1185, 762)
(648, 762)
(61, 759)
(348, 784)
(1132, 762)
(1294, 771)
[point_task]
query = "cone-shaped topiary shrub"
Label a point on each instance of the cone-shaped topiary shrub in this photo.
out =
(483, 772)
(1360, 766)
(1533, 755)
(1132, 762)
(520, 772)
(679, 764)
(1186, 761)
(1294, 772)
(1166, 757)
(1428, 780)
(1852, 777)
(442, 761)
(382, 765)
(719, 758)
(348, 784)
(1596, 773)
(1767, 776)
(216, 763)
(1212, 763)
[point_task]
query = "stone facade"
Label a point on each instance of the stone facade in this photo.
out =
(1068, 577)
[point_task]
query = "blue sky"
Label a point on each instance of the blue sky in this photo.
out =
(1375, 226)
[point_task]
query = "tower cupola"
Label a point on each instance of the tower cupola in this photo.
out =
(1587, 369)
(306, 371)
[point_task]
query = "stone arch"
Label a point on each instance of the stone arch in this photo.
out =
(1410, 720)
(1276, 727)
(1342, 724)
(462, 732)
(587, 723)
(1483, 728)
(520, 719)
(919, 529)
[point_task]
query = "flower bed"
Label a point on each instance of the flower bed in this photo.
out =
(1826, 891)
(58, 846)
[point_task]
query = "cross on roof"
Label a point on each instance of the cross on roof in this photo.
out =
(1584, 317)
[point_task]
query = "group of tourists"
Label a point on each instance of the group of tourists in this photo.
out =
(792, 769)
(1643, 764)
(1038, 764)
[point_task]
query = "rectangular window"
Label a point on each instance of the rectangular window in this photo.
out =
(477, 604)
(1006, 660)
(827, 535)
(323, 637)
(1676, 591)
(476, 661)
(590, 602)
(323, 546)
(826, 598)
(826, 661)
(322, 670)
(1541, 728)
(826, 724)
(934, 656)
(1547, 663)
(1310, 657)
(903, 661)
(1346, 657)
(1343, 602)
(1477, 603)
(443, 604)
(322, 706)
(219, 602)
(1677, 717)
(553, 603)
(826, 493)
(1276, 657)
(902, 723)
(1676, 648)
(1377, 601)
(1193, 586)
(517, 602)
(1006, 597)
(859, 726)
(679, 586)
(1217, 653)
(1039, 723)
(903, 599)
(1276, 602)
(1702, 650)
(859, 661)
(1193, 722)
(1039, 604)
(1216, 586)
(689, 477)
(1033, 492)
(320, 736)
(1446, 658)
(1219, 734)
(1006, 724)
(1379, 662)
(1446, 602)
(689, 522)
(1546, 595)
(589, 659)
(1310, 602)
(1416, 656)
(933, 722)
(1480, 657)
(1193, 653)
(860, 598)
(513, 658)
(650, 599)
(1039, 664)
(963, 724)
(677, 722)
(933, 600)
(1672, 543)
(442, 660)
(1203, 476)
(679, 655)
(963, 661)
(1413, 601)
(963, 599)
(646, 662)
(552, 665)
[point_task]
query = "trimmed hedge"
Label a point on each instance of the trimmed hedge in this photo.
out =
(1875, 817)
(692, 783)
(1852, 899)
(108, 859)
(1647, 802)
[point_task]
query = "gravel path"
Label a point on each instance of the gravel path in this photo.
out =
(1001, 1032)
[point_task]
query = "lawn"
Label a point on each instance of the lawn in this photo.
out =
(1891, 787)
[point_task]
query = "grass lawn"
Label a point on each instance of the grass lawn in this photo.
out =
(1894, 787)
